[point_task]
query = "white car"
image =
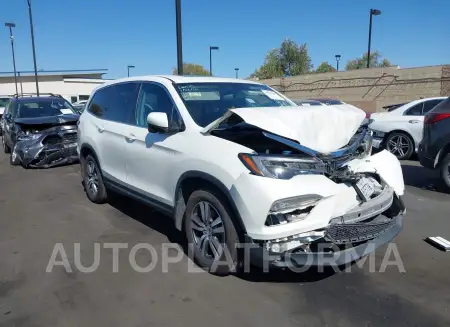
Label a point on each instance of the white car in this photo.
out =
(400, 130)
(235, 163)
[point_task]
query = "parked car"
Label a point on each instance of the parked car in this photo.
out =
(306, 102)
(434, 149)
(3, 103)
(79, 106)
(40, 131)
(285, 182)
(400, 131)
(341, 104)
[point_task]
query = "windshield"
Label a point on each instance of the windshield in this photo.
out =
(207, 102)
(43, 108)
(4, 102)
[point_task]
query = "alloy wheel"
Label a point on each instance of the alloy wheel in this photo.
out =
(92, 182)
(208, 230)
(398, 145)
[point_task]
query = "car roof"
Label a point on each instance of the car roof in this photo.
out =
(179, 79)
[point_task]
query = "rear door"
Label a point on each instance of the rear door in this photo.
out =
(118, 115)
(413, 118)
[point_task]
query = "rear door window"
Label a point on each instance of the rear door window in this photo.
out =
(415, 110)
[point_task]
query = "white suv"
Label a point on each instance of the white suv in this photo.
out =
(237, 164)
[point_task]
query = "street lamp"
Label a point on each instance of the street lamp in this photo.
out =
(210, 58)
(128, 67)
(179, 38)
(373, 12)
(237, 72)
(338, 57)
(10, 26)
(32, 43)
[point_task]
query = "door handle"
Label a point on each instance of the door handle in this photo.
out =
(413, 121)
(131, 137)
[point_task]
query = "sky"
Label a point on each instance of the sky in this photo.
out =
(111, 34)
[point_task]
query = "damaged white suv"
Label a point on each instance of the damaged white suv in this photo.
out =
(236, 163)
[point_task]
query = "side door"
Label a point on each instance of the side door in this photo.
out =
(150, 156)
(118, 117)
(9, 130)
(413, 118)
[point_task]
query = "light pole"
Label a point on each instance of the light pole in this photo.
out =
(210, 58)
(10, 26)
(179, 38)
(373, 12)
(32, 43)
(338, 57)
(237, 72)
(128, 68)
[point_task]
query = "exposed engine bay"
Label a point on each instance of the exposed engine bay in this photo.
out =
(46, 142)
(282, 158)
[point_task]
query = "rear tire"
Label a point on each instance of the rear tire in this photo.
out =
(93, 180)
(6, 148)
(444, 173)
(400, 145)
(210, 232)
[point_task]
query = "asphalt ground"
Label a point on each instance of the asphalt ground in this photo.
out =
(40, 208)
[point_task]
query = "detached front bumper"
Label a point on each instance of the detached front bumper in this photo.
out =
(342, 242)
(36, 155)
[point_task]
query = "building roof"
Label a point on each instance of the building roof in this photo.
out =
(62, 72)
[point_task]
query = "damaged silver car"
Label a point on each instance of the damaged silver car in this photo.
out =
(40, 132)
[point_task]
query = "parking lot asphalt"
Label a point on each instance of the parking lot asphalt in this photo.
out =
(39, 208)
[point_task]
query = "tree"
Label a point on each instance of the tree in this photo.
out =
(289, 60)
(192, 69)
(375, 61)
(325, 67)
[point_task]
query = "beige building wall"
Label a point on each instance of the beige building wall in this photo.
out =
(369, 89)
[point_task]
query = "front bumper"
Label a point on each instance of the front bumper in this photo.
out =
(254, 197)
(36, 155)
(343, 243)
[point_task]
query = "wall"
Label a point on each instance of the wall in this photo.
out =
(369, 89)
(66, 87)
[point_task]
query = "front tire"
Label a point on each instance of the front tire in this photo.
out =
(93, 180)
(400, 145)
(6, 148)
(14, 159)
(210, 232)
(444, 173)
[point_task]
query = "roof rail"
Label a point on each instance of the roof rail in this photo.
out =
(35, 94)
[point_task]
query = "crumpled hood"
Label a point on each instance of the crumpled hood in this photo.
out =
(323, 129)
(49, 120)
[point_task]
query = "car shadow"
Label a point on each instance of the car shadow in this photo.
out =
(165, 225)
(421, 177)
(145, 215)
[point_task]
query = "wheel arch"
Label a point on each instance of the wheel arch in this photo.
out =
(443, 152)
(194, 180)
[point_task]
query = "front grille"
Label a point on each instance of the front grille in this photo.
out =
(357, 232)
(70, 138)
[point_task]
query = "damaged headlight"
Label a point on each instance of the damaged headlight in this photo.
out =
(281, 167)
(28, 137)
(367, 144)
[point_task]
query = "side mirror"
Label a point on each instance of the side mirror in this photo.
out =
(158, 122)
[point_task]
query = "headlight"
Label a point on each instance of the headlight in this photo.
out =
(28, 137)
(281, 167)
(367, 144)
